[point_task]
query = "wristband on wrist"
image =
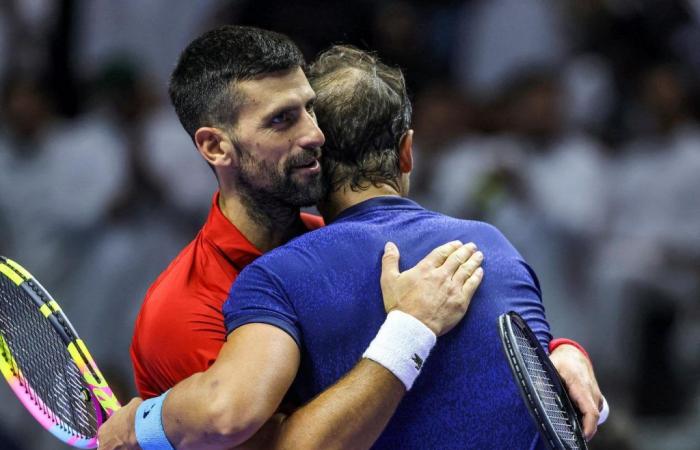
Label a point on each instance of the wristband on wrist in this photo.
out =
(554, 343)
(402, 345)
(604, 412)
(148, 425)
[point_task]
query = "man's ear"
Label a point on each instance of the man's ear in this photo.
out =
(406, 152)
(214, 145)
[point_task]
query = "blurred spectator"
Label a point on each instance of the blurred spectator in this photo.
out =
(172, 161)
(151, 33)
(555, 120)
(493, 47)
(58, 178)
(24, 30)
(590, 94)
(648, 267)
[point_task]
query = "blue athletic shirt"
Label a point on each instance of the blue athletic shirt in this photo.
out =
(323, 289)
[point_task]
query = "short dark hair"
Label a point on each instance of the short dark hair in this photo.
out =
(201, 86)
(363, 109)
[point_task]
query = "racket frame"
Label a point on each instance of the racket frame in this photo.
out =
(527, 389)
(101, 396)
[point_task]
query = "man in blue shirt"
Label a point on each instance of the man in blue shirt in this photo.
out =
(466, 397)
(243, 96)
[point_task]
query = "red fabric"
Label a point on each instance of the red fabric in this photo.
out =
(554, 343)
(180, 328)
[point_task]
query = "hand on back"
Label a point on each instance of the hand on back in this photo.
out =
(437, 291)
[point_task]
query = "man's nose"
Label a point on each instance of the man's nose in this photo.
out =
(312, 136)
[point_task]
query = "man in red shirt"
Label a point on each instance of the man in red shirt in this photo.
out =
(250, 114)
(243, 98)
(180, 328)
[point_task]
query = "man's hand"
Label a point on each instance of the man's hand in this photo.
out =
(117, 433)
(437, 291)
(577, 373)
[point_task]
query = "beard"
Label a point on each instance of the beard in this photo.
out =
(267, 188)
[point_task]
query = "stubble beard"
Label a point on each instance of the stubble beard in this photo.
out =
(269, 195)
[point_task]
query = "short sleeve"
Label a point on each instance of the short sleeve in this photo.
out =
(517, 282)
(258, 296)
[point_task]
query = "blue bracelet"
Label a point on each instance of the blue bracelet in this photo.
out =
(148, 425)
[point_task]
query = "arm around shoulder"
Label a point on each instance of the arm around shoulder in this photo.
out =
(226, 405)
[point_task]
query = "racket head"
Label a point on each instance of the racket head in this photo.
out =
(540, 386)
(46, 364)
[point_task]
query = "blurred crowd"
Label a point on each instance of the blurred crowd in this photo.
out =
(571, 125)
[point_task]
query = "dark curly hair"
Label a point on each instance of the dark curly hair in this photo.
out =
(363, 109)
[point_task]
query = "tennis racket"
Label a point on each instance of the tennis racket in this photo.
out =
(540, 385)
(46, 364)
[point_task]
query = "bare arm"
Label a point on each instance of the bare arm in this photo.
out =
(350, 414)
(228, 403)
(224, 406)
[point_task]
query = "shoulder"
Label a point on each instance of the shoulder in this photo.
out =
(191, 290)
(482, 233)
(198, 269)
(180, 327)
(490, 235)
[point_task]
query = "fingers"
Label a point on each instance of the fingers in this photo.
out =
(390, 261)
(472, 283)
(579, 378)
(438, 256)
(467, 268)
(583, 402)
(390, 273)
(589, 411)
(458, 257)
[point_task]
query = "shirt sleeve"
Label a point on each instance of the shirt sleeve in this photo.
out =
(258, 296)
(517, 282)
(528, 303)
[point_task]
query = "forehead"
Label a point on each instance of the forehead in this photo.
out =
(271, 91)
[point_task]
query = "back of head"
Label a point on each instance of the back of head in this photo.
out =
(363, 109)
(202, 86)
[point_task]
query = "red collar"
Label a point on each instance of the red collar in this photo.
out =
(227, 238)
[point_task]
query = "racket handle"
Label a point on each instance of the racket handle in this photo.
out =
(604, 411)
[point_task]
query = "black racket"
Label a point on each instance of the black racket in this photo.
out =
(540, 385)
(46, 364)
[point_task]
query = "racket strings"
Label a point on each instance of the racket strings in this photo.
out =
(42, 363)
(68, 380)
(547, 392)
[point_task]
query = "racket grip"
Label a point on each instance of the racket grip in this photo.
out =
(604, 411)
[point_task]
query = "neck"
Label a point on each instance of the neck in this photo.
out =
(343, 198)
(265, 225)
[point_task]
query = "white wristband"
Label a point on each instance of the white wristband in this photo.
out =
(148, 425)
(402, 345)
(604, 411)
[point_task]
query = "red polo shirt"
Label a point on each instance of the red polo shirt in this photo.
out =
(180, 328)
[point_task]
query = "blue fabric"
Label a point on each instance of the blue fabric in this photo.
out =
(148, 425)
(323, 289)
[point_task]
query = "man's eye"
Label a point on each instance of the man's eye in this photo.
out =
(310, 107)
(280, 118)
